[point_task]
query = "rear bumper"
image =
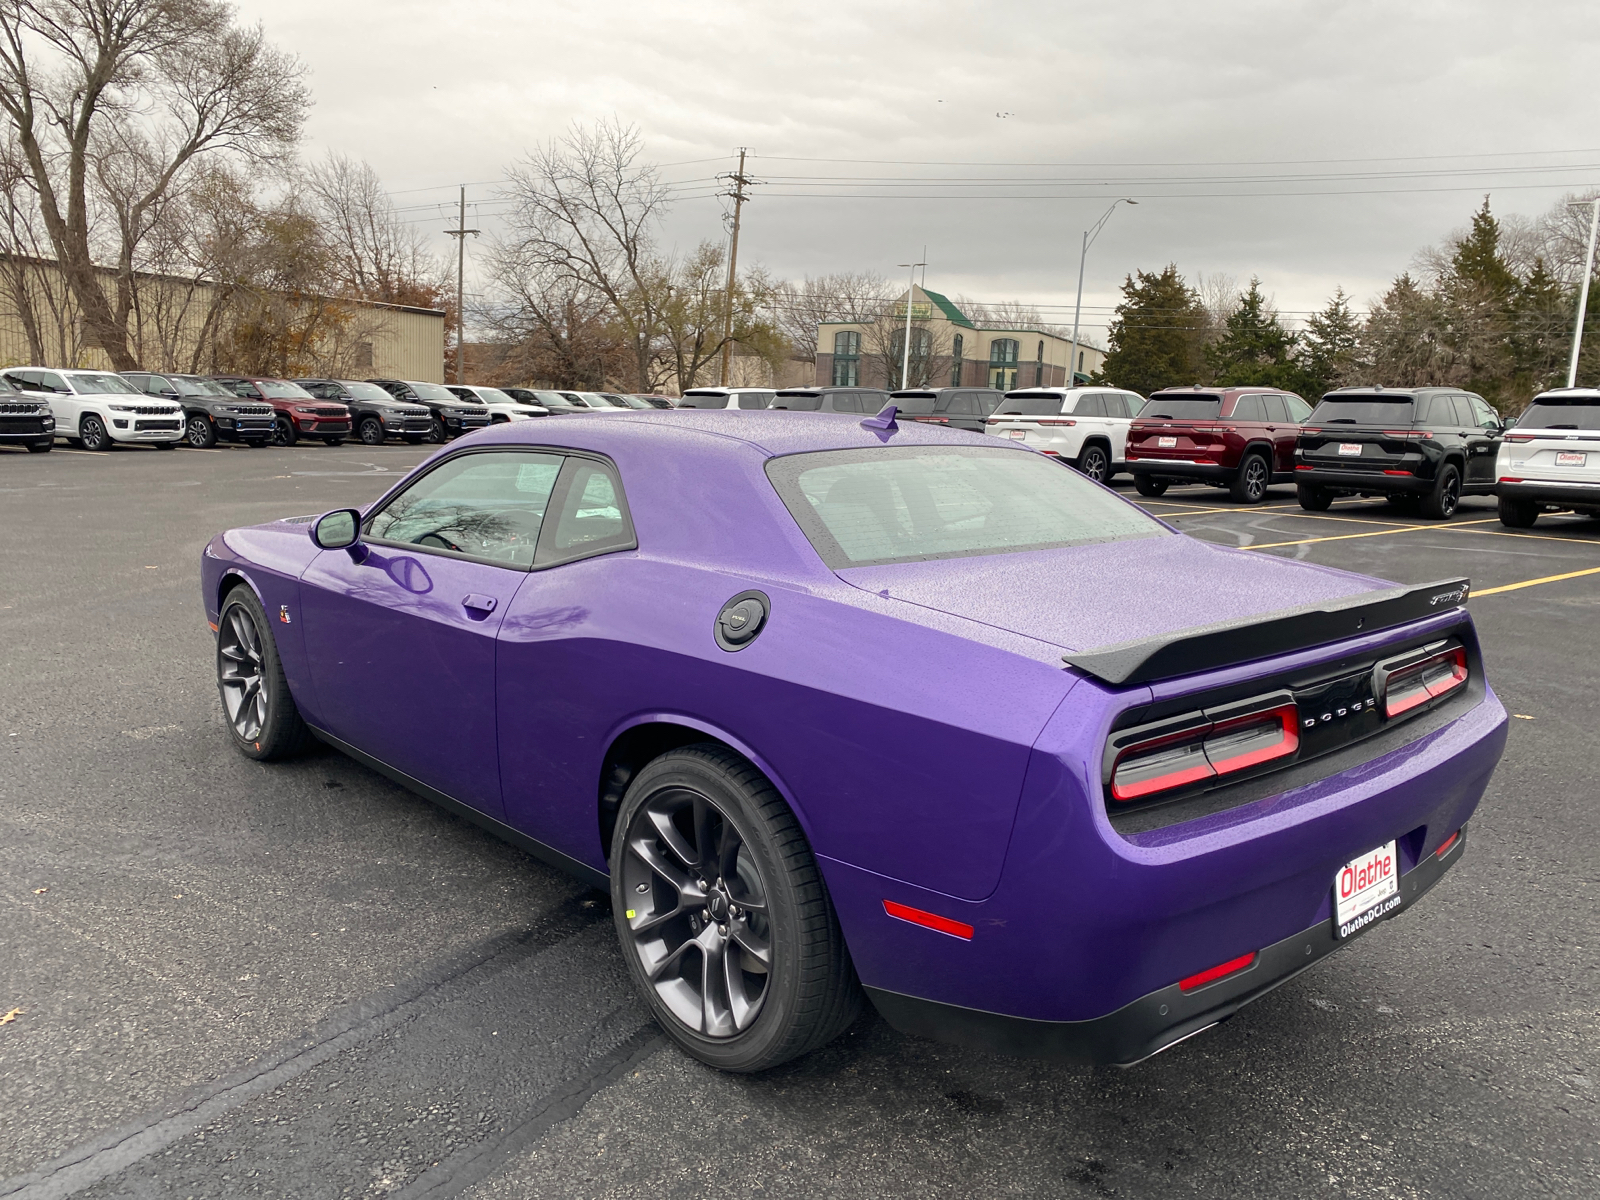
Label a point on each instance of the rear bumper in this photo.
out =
(1562, 493)
(1155, 1021)
(1177, 468)
(1362, 481)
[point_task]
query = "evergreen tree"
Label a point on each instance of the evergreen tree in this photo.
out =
(1157, 337)
(1254, 350)
(1541, 313)
(1329, 348)
(1478, 261)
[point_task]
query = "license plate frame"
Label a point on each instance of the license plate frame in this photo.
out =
(1366, 889)
(1017, 434)
(1166, 443)
(1350, 449)
(1572, 458)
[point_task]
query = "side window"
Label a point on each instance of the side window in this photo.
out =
(1486, 416)
(1248, 408)
(591, 516)
(26, 379)
(484, 506)
(49, 381)
(1299, 410)
(1090, 404)
(1465, 417)
(1276, 409)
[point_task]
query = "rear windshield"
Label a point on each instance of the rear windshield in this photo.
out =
(1362, 410)
(282, 389)
(704, 400)
(1030, 406)
(913, 503)
(1184, 408)
(798, 403)
(100, 385)
(1561, 412)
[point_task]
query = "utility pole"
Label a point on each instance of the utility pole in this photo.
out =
(740, 182)
(905, 350)
(460, 234)
(1089, 236)
(1583, 296)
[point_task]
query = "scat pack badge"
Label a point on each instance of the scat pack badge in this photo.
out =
(283, 614)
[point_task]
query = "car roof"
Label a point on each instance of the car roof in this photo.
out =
(1199, 389)
(1583, 393)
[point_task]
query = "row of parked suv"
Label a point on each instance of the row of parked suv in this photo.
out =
(97, 409)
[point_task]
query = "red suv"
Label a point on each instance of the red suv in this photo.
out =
(299, 413)
(1239, 438)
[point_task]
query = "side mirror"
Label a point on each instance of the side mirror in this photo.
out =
(337, 530)
(1508, 423)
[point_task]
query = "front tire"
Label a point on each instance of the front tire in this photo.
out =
(93, 434)
(436, 432)
(1249, 486)
(1094, 462)
(284, 433)
(1440, 504)
(726, 926)
(371, 431)
(200, 432)
(261, 715)
(1313, 498)
(1518, 514)
(1149, 485)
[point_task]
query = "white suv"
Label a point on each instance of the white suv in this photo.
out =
(502, 408)
(1551, 459)
(96, 409)
(724, 397)
(1087, 427)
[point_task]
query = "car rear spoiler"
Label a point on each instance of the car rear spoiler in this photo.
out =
(1227, 643)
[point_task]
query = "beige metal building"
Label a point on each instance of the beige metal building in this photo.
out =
(196, 326)
(947, 350)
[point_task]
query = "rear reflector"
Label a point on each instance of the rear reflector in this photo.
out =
(1444, 846)
(1509, 479)
(934, 921)
(1304, 467)
(1221, 971)
(1390, 471)
(1412, 680)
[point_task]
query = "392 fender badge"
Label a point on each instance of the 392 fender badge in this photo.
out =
(283, 614)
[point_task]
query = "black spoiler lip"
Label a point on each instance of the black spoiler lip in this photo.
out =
(1229, 643)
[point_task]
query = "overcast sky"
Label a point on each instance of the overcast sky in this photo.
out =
(1411, 111)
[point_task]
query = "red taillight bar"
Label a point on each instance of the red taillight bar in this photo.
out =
(1221, 971)
(1519, 437)
(1185, 750)
(928, 920)
(1412, 680)
(1052, 421)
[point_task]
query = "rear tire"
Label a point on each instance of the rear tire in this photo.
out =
(1313, 499)
(1249, 486)
(1094, 462)
(1518, 514)
(261, 715)
(1441, 503)
(1149, 485)
(780, 982)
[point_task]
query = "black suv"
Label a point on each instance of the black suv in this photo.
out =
(957, 407)
(831, 399)
(1428, 446)
(211, 413)
(374, 414)
(448, 417)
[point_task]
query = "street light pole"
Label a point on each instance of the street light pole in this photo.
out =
(905, 351)
(1089, 236)
(1583, 296)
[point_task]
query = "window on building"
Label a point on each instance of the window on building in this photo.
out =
(1003, 352)
(846, 358)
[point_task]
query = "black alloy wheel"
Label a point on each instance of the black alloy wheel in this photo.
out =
(1095, 463)
(1518, 514)
(92, 432)
(436, 431)
(726, 926)
(1149, 485)
(1441, 503)
(261, 714)
(371, 431)
(1250, 484)
(283, 432)
(1313, 498)
(201, 433)
(39, 447)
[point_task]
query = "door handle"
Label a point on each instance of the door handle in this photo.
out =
(479, 602)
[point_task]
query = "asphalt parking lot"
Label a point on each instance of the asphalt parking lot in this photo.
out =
(220, 978)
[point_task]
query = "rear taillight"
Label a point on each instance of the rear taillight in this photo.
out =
(1412, 680)
(1181, 751)
(1519, 437)
(1409, 435)
(1055, 422)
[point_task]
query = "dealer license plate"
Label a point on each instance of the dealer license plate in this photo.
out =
(1166, 443)
(1566, 458)
(1018, 434)
(1350, 449)
(1365, 890)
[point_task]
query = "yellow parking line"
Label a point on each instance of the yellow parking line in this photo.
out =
(1344, 537)
(1511, 587)
(1576, 540)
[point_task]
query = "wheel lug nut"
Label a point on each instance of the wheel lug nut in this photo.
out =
(642, 888)
(723, 930)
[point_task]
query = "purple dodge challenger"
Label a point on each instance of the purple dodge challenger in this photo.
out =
(844, 709)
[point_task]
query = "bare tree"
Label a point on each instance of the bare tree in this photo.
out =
(884, 349)
(375, 256)
(859, 297)
(160, 84)
(581, 227)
